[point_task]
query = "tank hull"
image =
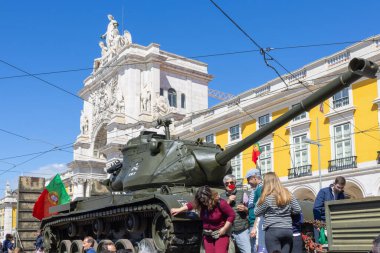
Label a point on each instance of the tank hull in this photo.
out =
(125, 218)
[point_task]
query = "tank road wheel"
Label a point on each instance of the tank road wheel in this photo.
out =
(98, 227)
(64, 246)
(72, 230)
(124, 244)
(101, 243)
(76, 246)
(133, 223)
(147, 245)
(161, 228)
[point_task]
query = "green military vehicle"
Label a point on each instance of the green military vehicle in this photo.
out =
(352, 224)
(158, 173)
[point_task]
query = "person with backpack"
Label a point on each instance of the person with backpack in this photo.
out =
(217, 217)
(8, 245)
(238, 200)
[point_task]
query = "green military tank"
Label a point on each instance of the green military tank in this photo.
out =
(157, 174)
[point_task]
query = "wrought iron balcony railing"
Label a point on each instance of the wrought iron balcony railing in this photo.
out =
(342, 163)
(300, 171)
(341, 102)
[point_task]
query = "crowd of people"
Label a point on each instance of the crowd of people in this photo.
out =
(266, 220)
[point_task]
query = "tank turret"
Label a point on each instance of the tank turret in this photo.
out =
(153, 160)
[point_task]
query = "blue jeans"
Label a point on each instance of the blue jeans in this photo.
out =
(253, 241)
(242, 240)
(261, 234)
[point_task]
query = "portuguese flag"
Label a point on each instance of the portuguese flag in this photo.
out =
(256, 152)
(53, 194)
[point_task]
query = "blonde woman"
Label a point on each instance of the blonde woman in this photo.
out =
(277, 205)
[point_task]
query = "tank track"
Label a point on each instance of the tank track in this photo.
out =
(169, 236)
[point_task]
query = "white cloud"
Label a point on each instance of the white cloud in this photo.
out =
(48, 170)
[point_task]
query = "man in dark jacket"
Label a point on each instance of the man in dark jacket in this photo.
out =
(8, 244)
(333, 192)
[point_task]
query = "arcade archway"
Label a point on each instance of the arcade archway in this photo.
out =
(303, 193)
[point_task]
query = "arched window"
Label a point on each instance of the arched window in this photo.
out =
(172, 97)
(183, 101)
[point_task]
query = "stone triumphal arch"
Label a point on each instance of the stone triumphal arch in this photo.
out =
(130, 86)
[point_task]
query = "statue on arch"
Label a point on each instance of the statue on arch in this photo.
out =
(83, 123)
(109, 35)
(114, 40)
(98, 61)
(161, 107)
(146, 97)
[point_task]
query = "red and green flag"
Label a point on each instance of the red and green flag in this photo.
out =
(256, 152)
(54, 194)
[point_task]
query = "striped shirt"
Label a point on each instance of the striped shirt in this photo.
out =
(276, 216)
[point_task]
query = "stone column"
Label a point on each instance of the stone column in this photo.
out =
(88, 188)
(78, 188)
(7, 217)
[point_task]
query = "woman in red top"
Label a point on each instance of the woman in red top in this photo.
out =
(217, 217)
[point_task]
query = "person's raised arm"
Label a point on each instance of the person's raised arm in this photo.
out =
(175, 211)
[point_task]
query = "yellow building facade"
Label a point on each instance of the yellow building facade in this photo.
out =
(339, 137)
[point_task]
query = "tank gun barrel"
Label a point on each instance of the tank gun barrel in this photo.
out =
(357, 69)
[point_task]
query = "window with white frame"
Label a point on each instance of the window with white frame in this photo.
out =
(263, 120)
(342, 141)
(210, 138)
(234, 133)
(236, 166)
(183, 100)
(341, 98)
(300, 151)
(172, 97)
(301, 116)
(265, 159)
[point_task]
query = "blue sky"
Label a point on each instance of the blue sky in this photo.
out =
(46, 36)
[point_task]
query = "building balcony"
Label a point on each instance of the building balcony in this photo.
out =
(342, 163)
(300, 171)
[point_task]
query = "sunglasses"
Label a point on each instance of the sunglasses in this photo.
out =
(228, 183)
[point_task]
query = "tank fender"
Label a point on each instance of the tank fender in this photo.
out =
(175, 201)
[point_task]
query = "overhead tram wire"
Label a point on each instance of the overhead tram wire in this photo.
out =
(264, 53)
(202, 56)
(192, 57)
(26, 161)
(56, 86)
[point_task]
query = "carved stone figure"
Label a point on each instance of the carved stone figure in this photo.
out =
(127, 38)
(98, 61)
(161, 108)
(109, 34)
(146, 98)
(83, 123)
(106, 100)
(114, 40)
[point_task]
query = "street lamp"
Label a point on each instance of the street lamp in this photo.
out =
(319, 158)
